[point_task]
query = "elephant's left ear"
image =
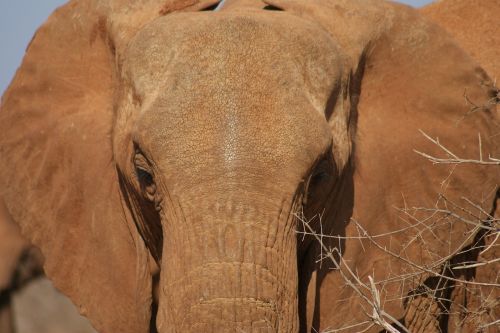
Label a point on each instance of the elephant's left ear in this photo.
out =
(417, 90)
(475, 26)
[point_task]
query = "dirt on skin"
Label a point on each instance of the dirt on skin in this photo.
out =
(40, 308)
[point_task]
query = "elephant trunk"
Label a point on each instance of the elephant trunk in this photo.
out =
(234, 270)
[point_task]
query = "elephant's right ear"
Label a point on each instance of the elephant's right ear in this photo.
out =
(57, 173)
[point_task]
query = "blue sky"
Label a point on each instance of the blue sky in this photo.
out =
(19, 19)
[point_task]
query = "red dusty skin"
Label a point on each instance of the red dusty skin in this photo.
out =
(230, 275)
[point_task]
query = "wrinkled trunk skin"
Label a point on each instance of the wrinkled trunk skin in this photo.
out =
(233, 270)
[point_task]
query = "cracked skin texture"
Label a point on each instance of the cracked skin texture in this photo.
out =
(144, 135)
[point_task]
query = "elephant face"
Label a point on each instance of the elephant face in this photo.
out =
(199, 168)
(256, 97)
(158, 134)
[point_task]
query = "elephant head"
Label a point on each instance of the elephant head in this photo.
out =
(164, 135)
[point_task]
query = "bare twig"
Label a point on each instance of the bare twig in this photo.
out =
(454, 159)
(422, 222)
(477, 264)
(378, 316)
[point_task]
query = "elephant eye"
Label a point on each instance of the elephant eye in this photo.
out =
(271, 7)
(317, 185)
(144, 177)
(321, 181)
(319, 177)
(146, 182)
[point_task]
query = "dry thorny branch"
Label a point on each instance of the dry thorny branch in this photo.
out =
(433, 281)
(451, 158)
(454, 159)
(414, 276)
(378, 316)
(474, 107)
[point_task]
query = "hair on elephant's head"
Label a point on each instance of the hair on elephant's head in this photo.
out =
(169, 136)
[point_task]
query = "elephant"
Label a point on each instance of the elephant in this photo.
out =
(254, 166)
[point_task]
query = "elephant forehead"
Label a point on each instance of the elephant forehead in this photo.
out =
(234, 46)
(240, 86)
